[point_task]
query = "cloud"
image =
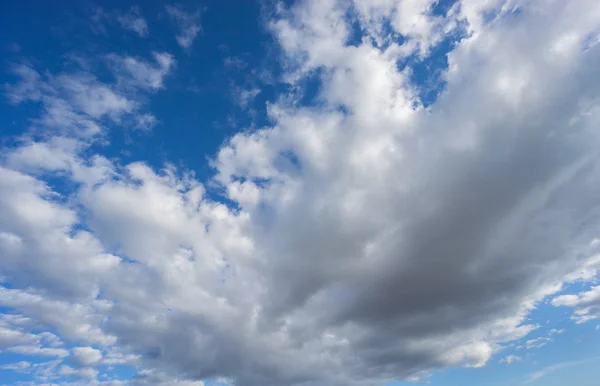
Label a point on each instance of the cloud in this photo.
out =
(10, 337)
(510, 359)
(39, 351)
(78, 105)
(370, 238)
(234, 62)
(244, 96)
(21, 366)
(27, 88)
(74, 103)
(187, 22)
(86, 373)
(556, 367)
(146, 121)
(86, 356)
(142, 74)
(535, 343)
(132, 21)
(149, 377)
(586, 304)
(72, 321)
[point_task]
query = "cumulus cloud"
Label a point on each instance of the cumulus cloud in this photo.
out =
(372, 238)
(86, 356)
(88, 373)
(188, 24)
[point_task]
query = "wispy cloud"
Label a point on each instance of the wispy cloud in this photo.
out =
(535, 343)
(139, 73)
(133, 21)
(188, 23)
(244, 96)
(557, 367)
(78, 103)
(510, 359)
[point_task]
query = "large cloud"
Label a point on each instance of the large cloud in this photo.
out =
(373, 238)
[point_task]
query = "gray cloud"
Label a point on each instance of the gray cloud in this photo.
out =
(376, 239)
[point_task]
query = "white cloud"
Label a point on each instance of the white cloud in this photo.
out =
(142, 74)
(535, 343)
(93, 98)
(133, 21)
(78, 105)
(10, 337)
(510, 359)
(146, 122)
(154, 378)
(86, 372)
(374, 239)
(72, 321)
(39, 351)
(27, 88)
(244, 96)
(86, 356)
(73, 103)
(21, 366)
(188, 24)
(586, 304)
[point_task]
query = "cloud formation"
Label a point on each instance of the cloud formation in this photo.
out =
(371, 237)
(133, 21)
(188, 24)
(510, 359)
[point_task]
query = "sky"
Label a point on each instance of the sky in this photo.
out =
(314, 193)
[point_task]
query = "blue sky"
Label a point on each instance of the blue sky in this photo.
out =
(329, 192)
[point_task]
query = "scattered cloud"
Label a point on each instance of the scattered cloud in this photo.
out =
(535, 343)
(556, 331)
(586, 304)
(369, 237)
(245, 96)
(20, 367)
(86, 356)
(133, 21)
(146, 122)
(188, 24)
(510, 359)
(86, 373)
(38, 351)
(235, 62)
(139, 73)
(78, 104)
